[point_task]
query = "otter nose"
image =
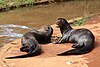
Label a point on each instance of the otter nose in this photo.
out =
(57, 22)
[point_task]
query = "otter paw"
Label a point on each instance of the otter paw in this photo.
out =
(55, 42)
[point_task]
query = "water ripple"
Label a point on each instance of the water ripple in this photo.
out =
(9, 32)
(12, 25)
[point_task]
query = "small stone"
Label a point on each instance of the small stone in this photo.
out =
(4, 65)
(69, 62)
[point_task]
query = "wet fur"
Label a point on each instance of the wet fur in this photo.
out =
(83, 39)
(31, 42)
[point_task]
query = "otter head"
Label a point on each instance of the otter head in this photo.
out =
(44, 28)
(61, 22)
(47, 27)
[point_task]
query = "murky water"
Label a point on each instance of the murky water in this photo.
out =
(15, 23)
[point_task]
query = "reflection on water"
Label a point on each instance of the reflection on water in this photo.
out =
(37, 16)
(9, 32)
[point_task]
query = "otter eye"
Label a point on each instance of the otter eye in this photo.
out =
(58, 21)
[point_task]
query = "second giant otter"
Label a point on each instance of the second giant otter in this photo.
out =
(83, 39)
(31, 41)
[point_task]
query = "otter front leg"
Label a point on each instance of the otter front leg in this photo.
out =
(32, 45)
(31, 49)
(62, 40)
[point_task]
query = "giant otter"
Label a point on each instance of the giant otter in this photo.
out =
(83, 39)
(31, 41)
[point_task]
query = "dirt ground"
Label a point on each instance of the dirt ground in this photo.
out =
(49, 58)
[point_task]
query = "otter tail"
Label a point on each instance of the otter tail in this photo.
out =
(77, 51)
(32, 52)
(24, 56)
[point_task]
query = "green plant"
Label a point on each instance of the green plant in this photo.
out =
(3, 3)
(79, 22)
(17, 3)
(29, 2)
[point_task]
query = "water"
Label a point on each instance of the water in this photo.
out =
(15, 23)
(9, 32)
